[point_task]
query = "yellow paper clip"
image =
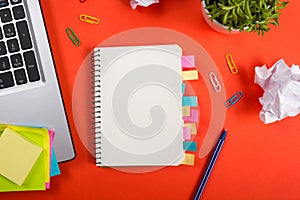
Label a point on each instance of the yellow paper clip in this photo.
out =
(73, 37)
(89, 19)
(232, 67)
(215, 82)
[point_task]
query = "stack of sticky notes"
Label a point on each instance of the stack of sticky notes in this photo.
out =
(190, 112)
(27, 158)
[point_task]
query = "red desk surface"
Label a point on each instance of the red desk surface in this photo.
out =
(257, 161)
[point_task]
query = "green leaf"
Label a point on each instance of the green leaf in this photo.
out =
(256, 15)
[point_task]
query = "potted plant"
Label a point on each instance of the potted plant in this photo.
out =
(233, 16)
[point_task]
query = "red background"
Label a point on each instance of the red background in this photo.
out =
(257, 161)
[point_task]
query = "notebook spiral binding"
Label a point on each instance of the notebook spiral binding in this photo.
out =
(96, 101)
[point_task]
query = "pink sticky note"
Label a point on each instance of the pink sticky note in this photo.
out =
(187, 61)
(51, 136)
(186, 133)
(194, 117)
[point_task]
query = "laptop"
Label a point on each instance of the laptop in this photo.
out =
(29, 88)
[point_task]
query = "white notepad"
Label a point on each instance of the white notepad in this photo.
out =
(138, 105)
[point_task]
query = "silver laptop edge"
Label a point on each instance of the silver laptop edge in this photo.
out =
(42, 105)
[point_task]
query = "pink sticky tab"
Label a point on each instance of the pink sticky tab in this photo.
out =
(51, 136)
(186, 133)
(194, 117)
(187, 61)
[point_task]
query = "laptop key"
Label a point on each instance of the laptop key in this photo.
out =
(2, 48)
(1, 35)
(16, 60)
(3, 3)
(4, 63)
(20, 76)
(24, 35)
(9, 30)
(13, 45)
(5, 15)
(6, 80)
(13, 2)
(18, 12)
(31, 66)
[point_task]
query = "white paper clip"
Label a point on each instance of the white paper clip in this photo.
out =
(214, 81)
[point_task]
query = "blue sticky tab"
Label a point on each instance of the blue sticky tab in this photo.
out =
(183, 88)
(190, 146)
(54, 164)
(189, 101)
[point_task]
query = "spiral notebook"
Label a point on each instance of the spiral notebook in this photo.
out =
(138, 99)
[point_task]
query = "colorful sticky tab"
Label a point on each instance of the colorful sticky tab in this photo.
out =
(54, 167)
(189, 159)
(186, 111)
(192, 126)
(194, 116)
(190, 146)
(182, 88)
(190, 75)
(187, 133)
(187, 61)
(189, 101)
(51, 137)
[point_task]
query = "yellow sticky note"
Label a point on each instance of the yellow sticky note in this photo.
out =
(189, 159)
(186, 110)
(17, 156)
(192, 126)
(190, 75)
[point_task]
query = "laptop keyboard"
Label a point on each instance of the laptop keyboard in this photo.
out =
(18, 64)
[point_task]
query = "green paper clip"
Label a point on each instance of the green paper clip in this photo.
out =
(73, 37)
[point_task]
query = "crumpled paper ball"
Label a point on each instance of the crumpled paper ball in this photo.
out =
(281, 85)
(145, 3)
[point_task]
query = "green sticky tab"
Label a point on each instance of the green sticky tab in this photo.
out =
(183, 88)
(189, 101)
(190, 146)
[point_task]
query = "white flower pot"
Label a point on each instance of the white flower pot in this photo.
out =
(215, 24)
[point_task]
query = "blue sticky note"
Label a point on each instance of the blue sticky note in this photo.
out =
(189, 146)
(189, 101)
(54, 164)
(183, 88)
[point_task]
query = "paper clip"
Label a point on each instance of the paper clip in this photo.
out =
(214, 81)
(89, 19)
(73, 37)
(235, 98)
(232, 67)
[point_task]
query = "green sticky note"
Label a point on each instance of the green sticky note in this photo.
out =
(36, 179)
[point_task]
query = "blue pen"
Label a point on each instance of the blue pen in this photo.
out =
(210, 165)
